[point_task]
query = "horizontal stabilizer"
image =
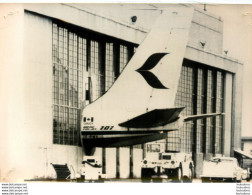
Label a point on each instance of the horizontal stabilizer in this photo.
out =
(201, 116)
(154, 118)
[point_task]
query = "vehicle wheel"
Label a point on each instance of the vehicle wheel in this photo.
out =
(205, 180)
(157, 180)
(146, 175)
(100, 180)
(190, 176)
(235, 180)
(81, 179)
(179, 175)
(146, 180)
(239, 181)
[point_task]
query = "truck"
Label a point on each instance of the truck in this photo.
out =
(160, 164)
(222, 169)
(245, 162)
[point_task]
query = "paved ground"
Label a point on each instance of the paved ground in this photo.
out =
(197, 180)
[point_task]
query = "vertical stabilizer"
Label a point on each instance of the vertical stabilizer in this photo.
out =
(150, 79)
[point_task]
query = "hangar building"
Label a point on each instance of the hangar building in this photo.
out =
(51, 53)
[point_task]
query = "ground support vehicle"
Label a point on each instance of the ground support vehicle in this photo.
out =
(245, 161)
(169, 165)
(91, 169)
(222, 169)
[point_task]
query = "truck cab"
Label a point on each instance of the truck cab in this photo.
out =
(159, 164)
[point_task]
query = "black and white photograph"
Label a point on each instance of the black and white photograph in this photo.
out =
(125, 93)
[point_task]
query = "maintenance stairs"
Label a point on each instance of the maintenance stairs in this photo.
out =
(62, 171)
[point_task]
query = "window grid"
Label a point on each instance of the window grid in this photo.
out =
(123, 57)
(173, 142)
(67, 88)
(200, 100)
(110, 72)
(82, 63)
(185, 97)
(219, 109)
(55, 66)
(72, 53)
(73, 84)
(209, 124)
(95, 68)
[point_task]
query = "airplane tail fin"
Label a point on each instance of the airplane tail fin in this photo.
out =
(150, 79)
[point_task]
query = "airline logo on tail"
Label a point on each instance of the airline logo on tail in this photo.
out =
(149, 64)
